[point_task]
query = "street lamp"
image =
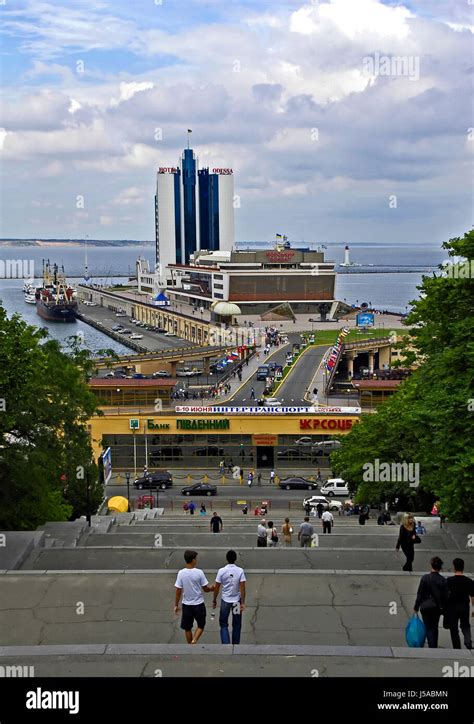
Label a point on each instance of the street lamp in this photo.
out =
(127, 477)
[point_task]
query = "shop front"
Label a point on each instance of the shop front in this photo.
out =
(201, 441)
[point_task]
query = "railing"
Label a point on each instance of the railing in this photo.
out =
(375, 342)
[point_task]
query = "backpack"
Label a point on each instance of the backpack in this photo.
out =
(274, 536)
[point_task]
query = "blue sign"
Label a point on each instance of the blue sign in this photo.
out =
(367, 319)
(106, 459)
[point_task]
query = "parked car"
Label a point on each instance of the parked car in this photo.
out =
(199, 489)
(138, 375)
(126, 331)
(210, 450)
(335, 486)
(117, 328)
(136, 336)
(109, 374)
(294, 482)
(185, 372)
(120, 314)
(161, 373)
(170, 334)
(328, 504)
(161, 479)
(308, 441)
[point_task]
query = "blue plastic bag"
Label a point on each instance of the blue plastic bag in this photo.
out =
(415, 632)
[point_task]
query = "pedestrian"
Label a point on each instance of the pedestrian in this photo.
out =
(216, 523)
(305, 533)
(259, 478)
(252, 393)
(262, 534)
(407, 539)
(432, 600)
(320, 508)
(328, 521)
(381, 519)
(190, 583)
(230, 466)
(203, 510)
(460, 589)
(186, 508)
(420, 529)
(272, 476)
(245, 509)
(286, 531)
(318, 476)
(250, 479)
(232, 580)
(192, 507)
(307, 508)
(222, 467)
(272, 535)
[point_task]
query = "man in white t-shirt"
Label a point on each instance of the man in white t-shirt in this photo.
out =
(232, 579)
(191, 582)
(328, 521)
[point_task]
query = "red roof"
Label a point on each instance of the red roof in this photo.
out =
(135, 382)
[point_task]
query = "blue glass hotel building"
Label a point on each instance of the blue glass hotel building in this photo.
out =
(193, 210)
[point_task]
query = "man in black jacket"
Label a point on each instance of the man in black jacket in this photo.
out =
(432, 599)
(461, 589)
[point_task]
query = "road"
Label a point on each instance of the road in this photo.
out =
(297, 382)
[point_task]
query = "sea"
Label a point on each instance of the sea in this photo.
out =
(384, 276)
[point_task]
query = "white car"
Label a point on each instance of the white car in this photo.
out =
(185, 373)
(271, 402)
(335, 486)
(120, 314)
(136, 336)
(328, 504)
(170, 334)
(304, 441)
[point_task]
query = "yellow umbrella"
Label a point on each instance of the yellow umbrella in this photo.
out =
(118, 504)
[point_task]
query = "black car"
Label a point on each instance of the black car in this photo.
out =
(210, 450)
(295, 482)
(160, 479)
(199, 489)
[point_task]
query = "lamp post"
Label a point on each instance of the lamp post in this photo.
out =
(127, 477)
(88, 511)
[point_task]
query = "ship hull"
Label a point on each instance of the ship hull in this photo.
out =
(57, 312)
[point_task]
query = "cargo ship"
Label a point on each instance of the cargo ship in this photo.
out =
(56, 301)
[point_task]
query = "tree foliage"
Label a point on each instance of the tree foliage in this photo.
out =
(430, 419)
(45, 450)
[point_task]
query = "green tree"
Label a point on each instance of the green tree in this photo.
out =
(430, 419)
(44, 443)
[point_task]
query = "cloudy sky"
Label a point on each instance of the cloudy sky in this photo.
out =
(344, 120)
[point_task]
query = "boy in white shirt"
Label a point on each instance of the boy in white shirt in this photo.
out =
(191, 582)
(232, 579)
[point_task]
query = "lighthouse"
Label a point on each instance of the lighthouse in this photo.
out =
(347, 261)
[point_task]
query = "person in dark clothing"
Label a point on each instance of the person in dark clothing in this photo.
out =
(216, 523)
(406, 540)
(320, 508)
(460, 589)
(307, 508)
(432, 600)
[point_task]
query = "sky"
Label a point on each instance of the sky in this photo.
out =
(345, 121)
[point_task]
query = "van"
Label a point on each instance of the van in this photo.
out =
(335, 486)
(263, 372)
